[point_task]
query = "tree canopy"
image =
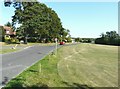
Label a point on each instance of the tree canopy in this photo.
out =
(37, 21)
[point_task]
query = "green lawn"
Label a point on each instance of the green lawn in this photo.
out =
(83, 65)
(8, 51)
(8, 48)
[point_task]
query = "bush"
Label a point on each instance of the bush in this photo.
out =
(14, 40)
(7, 39)
(32, 39)
(107, 41)
(10, 40)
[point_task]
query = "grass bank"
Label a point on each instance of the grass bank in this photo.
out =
(83, 65)
(11, 48)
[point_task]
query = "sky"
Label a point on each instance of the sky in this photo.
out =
(83, 19)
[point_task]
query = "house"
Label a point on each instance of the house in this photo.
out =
(7, 34)
(73, 40)
(8, 31)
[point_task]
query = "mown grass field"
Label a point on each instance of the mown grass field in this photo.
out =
(83, 65)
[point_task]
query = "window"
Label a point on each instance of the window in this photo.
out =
(7, 32)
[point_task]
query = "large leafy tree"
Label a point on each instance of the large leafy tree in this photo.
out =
(37, 21)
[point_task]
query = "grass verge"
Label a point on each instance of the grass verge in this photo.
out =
(7, 48)
(8, 51)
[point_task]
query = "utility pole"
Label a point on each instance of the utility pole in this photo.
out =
(56, 46)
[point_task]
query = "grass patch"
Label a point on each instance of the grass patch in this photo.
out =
(83, 65)
(7, 48)
(8, 51)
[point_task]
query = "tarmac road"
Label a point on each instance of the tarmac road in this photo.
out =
(14, 63)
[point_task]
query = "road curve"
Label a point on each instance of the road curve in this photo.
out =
(15, 63)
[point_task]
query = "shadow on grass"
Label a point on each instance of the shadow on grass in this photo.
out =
(18, 83)
(33, 70)
(77, 86)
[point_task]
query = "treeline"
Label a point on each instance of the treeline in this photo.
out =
(84, 40)
(109, 38)
(38, 23)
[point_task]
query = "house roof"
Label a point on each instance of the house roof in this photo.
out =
(10, 30)
(7, 28)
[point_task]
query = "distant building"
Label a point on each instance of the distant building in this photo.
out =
(73, 40)
(9, 31)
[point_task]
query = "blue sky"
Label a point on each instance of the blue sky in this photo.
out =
(83, 19)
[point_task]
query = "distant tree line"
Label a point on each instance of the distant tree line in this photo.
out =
(87, 40)
(38, 22)
(109, 38)
(84, 40)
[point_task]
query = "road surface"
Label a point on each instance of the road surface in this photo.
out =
(15, 63)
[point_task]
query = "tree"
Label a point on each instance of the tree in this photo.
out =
(110, 38)
(38, 21)
(2, 34)
(69, 39)
(7, 2)
(77, 39)
(8, 24)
